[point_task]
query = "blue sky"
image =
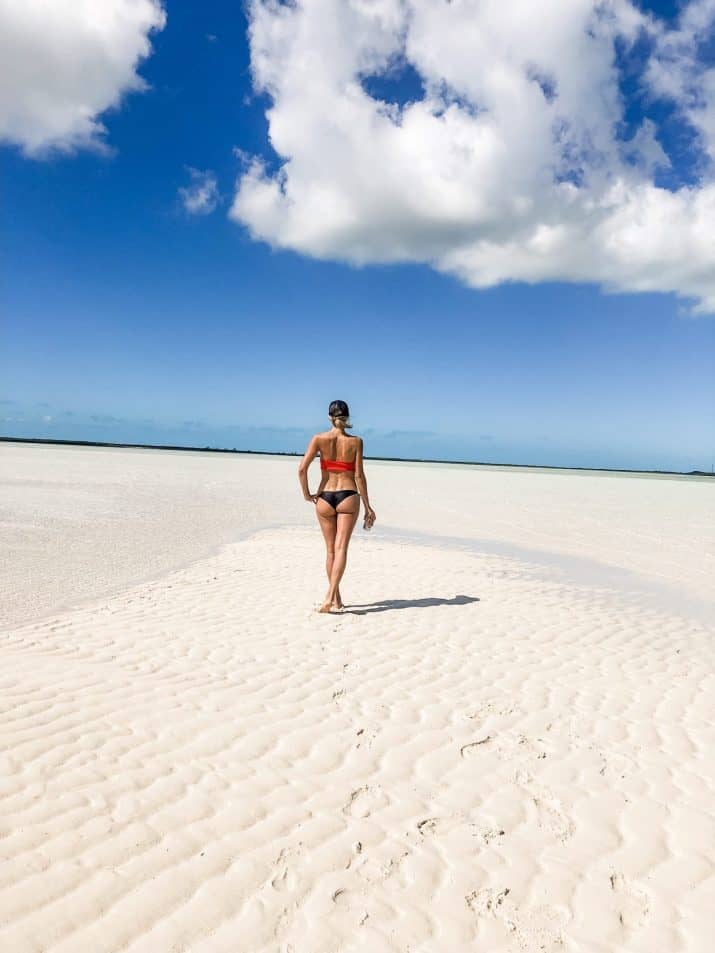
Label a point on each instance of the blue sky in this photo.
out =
(126, 318)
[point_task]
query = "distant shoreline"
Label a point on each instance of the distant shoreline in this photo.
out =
(293, 453)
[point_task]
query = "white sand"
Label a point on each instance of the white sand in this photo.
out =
(497, 748)
(77, 522)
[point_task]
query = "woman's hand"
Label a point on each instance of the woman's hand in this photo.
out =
(370, 517)
(311, 498)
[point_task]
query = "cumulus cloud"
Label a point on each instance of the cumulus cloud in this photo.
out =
(678, 73)
(201, 196)
(64, 63)
(500, 154)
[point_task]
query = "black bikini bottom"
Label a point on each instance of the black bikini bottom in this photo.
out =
(333, 497)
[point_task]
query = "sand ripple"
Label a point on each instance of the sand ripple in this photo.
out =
(204, 764)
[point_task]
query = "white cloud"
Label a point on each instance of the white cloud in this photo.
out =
(201, 196)
(676, 72)
(507, 167)
(63, 63)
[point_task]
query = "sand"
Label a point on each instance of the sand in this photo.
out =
(504, 744)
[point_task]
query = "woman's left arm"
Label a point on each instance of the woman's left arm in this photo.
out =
(308, 457)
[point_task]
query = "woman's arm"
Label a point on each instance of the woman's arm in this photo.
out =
(308, 457)
(362, 485)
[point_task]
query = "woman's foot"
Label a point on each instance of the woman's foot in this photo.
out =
(332, 602)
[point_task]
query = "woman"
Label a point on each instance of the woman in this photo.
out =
(337, 502)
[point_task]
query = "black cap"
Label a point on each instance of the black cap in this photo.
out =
(338, 408)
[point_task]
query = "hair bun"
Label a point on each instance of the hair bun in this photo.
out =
(338, 408)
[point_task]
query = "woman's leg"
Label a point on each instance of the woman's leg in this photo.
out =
(348, 512)
(327, 517)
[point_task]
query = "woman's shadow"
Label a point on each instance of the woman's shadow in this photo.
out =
(387, 605)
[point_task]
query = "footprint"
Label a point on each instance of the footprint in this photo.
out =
(283, 920)
(432, 826)
(516, 746)
(487, 834)
(284, 877)
(549, 810)
(366, 737)
(357, 850)
(538, 928)
(632, 903)
(552, 817)
(284, 880)
(363, 801)
(381, 865)
(486, 902)
(435, 826)
(490, 707)
(393, 867)
(532, 928)
(351, 905)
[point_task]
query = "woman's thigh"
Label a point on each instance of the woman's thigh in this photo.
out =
(328, 522)
(345, 525)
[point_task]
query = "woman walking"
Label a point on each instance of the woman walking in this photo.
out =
(337, 502)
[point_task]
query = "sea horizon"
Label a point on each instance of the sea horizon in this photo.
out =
(299, 453)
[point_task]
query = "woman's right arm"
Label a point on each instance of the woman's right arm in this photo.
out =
(309, 456)
(362, 485)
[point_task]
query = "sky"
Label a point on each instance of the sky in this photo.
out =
(490, 231)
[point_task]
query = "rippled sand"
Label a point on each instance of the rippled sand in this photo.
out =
(499, 746)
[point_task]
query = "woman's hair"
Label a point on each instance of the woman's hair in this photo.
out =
(339, 410)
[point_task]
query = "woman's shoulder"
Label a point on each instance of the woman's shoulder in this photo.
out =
(326, 435)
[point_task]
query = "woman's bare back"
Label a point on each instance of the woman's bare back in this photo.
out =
(342, 447)
(334, 446)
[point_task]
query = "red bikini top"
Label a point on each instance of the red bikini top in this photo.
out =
(337, 466)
